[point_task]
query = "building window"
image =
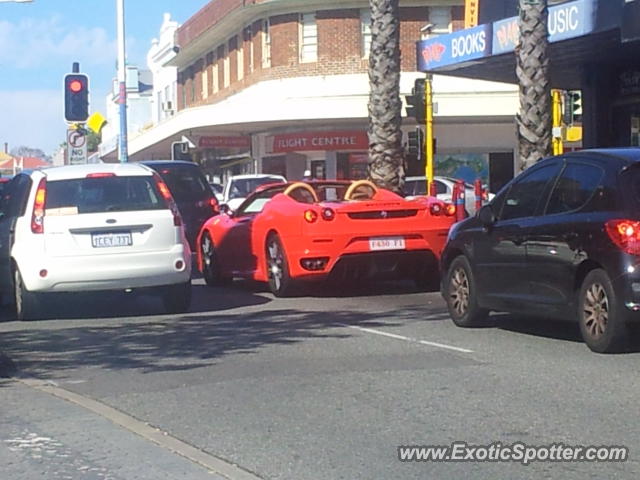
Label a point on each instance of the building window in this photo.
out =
(365, 31)
(248, 40)
(192, 87)
(205, 82)
(440, 17)
(266, 43)
(240, 56)
(226, 68)
(308, 38)
(215, 72)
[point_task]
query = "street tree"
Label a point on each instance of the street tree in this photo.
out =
(532, 70)
(386, 156)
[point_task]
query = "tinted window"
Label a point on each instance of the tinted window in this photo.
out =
(15, 195)
(574, 188)
(185, 183)
(103, 194)
(524, 194)
(440, 188)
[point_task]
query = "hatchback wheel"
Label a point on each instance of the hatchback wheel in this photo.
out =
(277, 267)
(210, 265)
(26, 302)
(603, 328)
(177, 298)
(461, 296)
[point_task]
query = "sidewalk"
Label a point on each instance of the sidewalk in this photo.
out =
(42, 436)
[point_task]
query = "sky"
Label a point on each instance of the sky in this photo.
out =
(39, 41)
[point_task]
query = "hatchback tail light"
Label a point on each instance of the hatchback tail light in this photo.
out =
(168, 198)
(213, 203)
(625, 234)
(37, 217)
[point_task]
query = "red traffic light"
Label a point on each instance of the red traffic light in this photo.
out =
(75, 86)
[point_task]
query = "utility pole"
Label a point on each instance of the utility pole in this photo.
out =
(428, 135)
(556, 105)
(123, 154)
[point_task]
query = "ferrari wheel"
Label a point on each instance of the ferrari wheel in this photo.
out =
(210, 266)
(277, 267)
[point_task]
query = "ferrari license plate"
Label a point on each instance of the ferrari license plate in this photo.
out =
(386, 243)
(101, 240)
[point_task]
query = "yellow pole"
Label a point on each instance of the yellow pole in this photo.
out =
(428, 134)
(556, 105)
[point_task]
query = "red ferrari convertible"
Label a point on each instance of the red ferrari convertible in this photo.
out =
(302, 231)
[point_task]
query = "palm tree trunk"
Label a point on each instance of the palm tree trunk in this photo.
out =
(386, 155)
(532, 69)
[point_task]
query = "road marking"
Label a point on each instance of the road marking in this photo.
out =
(409, 339)
(153, 434)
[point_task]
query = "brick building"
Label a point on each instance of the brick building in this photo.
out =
(281, 86)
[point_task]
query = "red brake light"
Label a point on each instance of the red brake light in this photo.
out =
(310, 216)
(625, 234)
(213, 203)
(101, 175)
(168, 198)
(37, 217)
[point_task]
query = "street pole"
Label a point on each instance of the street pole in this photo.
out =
(428, 135)
(123, 154)
(556, 106)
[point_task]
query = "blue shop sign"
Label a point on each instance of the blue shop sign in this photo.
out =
(454, 48)
(567, 20)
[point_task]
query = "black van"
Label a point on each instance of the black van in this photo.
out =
(191, 191)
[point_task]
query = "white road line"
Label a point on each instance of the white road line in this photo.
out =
(409, 339)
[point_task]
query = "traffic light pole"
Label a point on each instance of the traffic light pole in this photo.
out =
(428, 137)
(123, 154)
(556, 106)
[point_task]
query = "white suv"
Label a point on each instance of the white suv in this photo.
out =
(88, 228)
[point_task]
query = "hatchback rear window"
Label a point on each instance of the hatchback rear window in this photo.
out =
(103, 194)
(185, 183)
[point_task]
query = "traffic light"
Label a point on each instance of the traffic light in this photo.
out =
(572, 112)
(76, 97)
(415, 140)
(415, 101)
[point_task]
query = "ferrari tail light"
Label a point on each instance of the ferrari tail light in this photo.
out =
(311, 216)
(328, 214)
(168, 198)
(436, 209)
(625, 234)
(450, 210)
(37, 217)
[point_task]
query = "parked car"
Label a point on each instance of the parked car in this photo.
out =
(191, 191)
(444, 190)
(303, 231)
(238, 187)
(561, 240)
(217, 189)
(91, 227)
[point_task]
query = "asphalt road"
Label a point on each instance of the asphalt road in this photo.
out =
(326, 385)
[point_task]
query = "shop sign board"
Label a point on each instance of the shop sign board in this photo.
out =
(224, 142)
(454, 48)
(314, 141)
(566, 20)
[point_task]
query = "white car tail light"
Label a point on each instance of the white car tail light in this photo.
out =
(37, 217)
(168, 198)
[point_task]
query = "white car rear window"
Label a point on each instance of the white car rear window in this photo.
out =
(103, 194)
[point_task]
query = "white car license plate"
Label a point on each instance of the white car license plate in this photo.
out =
(100, 240)
(386, 243)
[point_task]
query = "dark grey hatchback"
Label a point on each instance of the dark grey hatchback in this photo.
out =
(191, 191)
(561, 240)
